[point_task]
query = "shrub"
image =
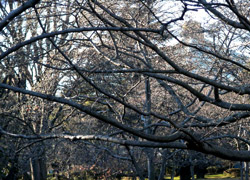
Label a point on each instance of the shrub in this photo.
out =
(212, 170)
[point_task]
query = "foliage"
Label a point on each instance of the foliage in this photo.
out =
(212, 170)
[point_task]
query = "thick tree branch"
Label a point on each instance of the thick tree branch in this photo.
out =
(209, 6)
(92, 112)
(98, 138)
(16, 12)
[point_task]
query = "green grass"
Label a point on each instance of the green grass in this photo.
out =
(207, 177)
(220, 176)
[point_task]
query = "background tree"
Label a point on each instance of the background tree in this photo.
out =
(122, 79)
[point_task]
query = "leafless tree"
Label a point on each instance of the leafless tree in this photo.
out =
(127, 74)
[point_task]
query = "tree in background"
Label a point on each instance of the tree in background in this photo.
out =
(122, 79)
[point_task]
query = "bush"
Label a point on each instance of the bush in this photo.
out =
(212, 170)
(234, 172)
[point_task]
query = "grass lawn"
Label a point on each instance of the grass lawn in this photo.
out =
(207, 177)
(213, 177)
(220, 176)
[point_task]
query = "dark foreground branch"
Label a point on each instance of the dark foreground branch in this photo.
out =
(167, 141)
(98, 138)
(94, 113)
(17, 12)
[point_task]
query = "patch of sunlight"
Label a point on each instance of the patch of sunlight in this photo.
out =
(207, 177)
(220, 176)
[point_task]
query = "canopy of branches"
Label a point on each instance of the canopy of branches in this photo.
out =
(121, 77)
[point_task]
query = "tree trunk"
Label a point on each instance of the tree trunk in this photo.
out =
(147, 122)
(136, 166)
(185, 173)
(201, 171)
(192, 171)
(163, 166)
(172, 173)
(247, 166)
(246, 170)
(201, 174)
(38, 169)
(150, 163)
(241, 171)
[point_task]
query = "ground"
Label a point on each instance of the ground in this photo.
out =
(207, 177)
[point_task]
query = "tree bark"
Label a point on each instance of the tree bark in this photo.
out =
(136, 166)
(147, 122)
(150, 162)
(163, 166)
(241, 170)
(38, 169)
(247, 166)
(172, 173)
(192, 171)
(201, 170)
(246, 170)
(185, 173)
